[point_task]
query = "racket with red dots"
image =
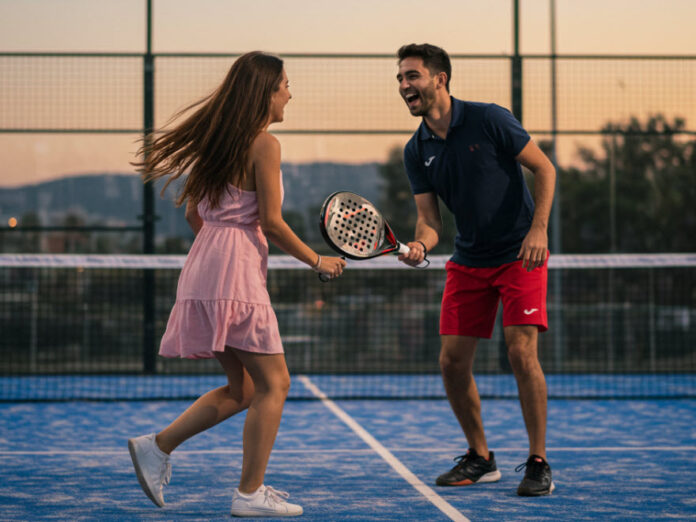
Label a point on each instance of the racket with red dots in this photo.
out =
(354, 228)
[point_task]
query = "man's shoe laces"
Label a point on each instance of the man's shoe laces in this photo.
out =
(535, 470)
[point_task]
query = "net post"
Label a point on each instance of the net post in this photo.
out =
(516, 62)
(556, 242)
(149, 348)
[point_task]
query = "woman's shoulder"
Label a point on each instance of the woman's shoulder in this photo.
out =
(265, 143)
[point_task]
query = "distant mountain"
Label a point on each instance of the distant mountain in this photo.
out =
(116, 199)
(308, 185)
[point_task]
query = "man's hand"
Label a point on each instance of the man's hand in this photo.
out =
(534, 250)
(415, 256)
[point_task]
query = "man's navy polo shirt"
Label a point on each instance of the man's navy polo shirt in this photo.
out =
(475, 173)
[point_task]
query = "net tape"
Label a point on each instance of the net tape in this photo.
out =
(287, 262)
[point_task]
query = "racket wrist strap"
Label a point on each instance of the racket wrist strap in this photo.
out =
(425, 249)
(316, 265)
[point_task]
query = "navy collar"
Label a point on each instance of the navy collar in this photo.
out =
(458, 117)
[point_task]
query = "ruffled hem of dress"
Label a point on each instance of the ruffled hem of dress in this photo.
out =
(198, 328)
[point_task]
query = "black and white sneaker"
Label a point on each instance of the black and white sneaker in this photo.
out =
(471, 468)
(537, 478)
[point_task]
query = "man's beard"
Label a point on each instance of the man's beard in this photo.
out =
(427, 99)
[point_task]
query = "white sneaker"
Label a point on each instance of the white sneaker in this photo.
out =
(151, 465)
(266, 502)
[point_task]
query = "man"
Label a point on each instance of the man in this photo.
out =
(469, 154)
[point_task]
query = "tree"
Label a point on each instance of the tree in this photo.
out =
(74, 241)
(399, 208)
(30, 241)
(174, 245)
(638, 196)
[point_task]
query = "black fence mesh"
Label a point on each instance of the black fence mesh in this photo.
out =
(607, 316)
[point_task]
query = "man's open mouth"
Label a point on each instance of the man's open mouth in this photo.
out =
(411, 98)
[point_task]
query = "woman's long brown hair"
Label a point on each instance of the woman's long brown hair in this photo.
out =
(213, 143)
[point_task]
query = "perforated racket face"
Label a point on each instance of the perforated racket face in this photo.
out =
(353, 225)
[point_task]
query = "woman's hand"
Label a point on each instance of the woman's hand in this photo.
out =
(331, 266)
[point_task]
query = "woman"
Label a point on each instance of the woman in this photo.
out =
(233, 197)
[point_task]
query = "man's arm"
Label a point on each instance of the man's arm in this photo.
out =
(534, 248)
(428, 228)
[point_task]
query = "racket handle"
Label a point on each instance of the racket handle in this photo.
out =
(325, 278)
(403, 249)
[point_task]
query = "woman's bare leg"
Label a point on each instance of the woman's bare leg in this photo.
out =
(213, 407)
(271, 379)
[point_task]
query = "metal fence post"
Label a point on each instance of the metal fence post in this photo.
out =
(516, 61)
(149, 348)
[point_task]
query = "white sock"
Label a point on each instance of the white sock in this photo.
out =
(158, 449)
(250, 495)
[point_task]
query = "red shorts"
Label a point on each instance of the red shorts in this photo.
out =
(470, 300)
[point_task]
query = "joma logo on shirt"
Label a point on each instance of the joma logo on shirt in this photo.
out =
(429, 161)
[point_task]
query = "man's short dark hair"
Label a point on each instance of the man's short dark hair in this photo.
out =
(435, 59)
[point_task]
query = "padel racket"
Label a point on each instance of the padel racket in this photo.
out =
(354, 228)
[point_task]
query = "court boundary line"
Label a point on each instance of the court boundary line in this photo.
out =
(386, 455)
(355, 451)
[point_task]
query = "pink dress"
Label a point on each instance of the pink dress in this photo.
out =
(221, 298)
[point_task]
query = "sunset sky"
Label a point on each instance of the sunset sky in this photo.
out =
(326, 94)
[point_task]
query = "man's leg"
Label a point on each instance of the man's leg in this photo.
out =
(522, 351)
(478, 464)
(531, 384)
(469, 305)
(456, 364)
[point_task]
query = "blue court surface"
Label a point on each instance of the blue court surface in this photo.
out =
(354, 460)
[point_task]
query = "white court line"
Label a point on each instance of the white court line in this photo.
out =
(606, 448)
(618, 449)
(551, 449)
(383, 452)
(124, 451)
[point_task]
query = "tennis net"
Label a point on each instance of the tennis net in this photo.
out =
(72, 328)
